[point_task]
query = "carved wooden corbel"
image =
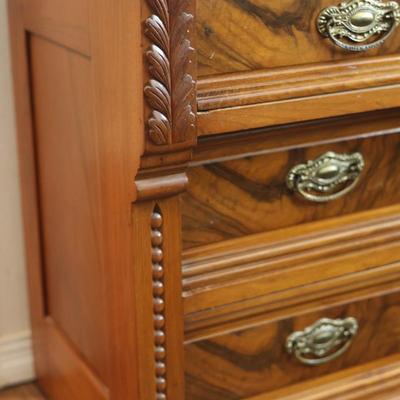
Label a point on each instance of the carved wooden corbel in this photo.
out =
(170, 91)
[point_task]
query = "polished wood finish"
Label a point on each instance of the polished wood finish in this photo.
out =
(243, 35)
(232, 119)
(235, 279)
(254, 360)
(170, 90)
(160, 237)
(264, 63)
(161, 311)
(373, 381)
(233, 197)
(65, 182)
(65, 23)
(289, 136)
(269, 85)
(72, 97)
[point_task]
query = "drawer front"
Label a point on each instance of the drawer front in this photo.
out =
(242, 196)
(264, 63)
(245, 35)
(255, 360)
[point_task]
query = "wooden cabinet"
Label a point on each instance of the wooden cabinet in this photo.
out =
(210, 195)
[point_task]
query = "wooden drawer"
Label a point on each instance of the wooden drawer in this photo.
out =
(236, 36)
(239, 195)
(253, 360)
(263, 63)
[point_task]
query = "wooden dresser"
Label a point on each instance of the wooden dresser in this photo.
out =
(211, 197)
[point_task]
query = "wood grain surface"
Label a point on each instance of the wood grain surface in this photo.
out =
(66, 23)
(277, 84)
(263, 63)
(245, 363)
(103, 171)
(237, 279)
(70, 245)
(241, 196)
(378, 380)
(77, 166)
(245, 35)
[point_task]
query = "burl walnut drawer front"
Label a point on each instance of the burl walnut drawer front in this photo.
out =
(268, 356)
(245, 35)
(263, 63)
(268, 190)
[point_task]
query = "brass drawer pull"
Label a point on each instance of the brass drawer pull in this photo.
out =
(358, 21)
(327, 178)
(322, 342)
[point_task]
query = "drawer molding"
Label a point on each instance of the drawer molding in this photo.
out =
(251, 116)
(226, 318)
(244, 259)
(265, 86)
(211, 149)
(378, 380)
(245, 281)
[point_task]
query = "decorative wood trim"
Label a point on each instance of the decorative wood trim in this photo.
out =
(378, 380)
(249, 313)
(158, 274)
(246, 88)
(266, 140)
(170, 91)
(232, 119)
(159, 187)
(264, 264)
(236, 260)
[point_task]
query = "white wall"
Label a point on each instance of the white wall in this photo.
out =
(15, 347)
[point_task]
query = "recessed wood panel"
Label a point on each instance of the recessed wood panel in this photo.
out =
(252, 361)
(239, 196)
(64, 22)
(246, 35)
(69, 197)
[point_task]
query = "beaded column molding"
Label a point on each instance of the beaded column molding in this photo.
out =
(158, 303)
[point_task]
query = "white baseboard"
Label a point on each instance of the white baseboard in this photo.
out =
(16, 360)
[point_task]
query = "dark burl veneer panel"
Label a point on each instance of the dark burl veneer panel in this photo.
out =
(245, 35)
(245, 195)
(244, 363)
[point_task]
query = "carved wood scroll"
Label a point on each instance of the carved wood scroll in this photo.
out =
(170, 91)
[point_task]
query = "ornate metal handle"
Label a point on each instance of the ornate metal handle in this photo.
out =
(322, 342)
(327, 178)
(358, 21)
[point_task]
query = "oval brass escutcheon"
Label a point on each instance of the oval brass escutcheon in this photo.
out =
(363, 18)
(359, 25)
(323, 341)
(326, 178)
